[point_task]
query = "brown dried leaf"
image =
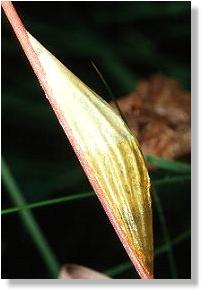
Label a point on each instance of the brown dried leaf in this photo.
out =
(158, 112)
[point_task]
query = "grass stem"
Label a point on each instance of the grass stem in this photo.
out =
(123, 267)
(165, 231)
(48, 202)
(74, 197)
(29, 222)
(172, 165)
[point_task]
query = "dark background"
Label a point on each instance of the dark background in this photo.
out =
(127, 41)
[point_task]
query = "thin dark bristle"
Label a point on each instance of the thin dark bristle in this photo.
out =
(109, 91)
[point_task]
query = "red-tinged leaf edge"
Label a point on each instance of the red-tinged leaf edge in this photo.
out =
(22, 36)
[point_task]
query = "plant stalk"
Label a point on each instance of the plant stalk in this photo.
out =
(29, 222)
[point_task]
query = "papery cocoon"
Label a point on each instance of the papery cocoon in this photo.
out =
(107, 150)
(109, 153)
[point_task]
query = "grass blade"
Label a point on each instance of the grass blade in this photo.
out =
(164, 247)
(172, 165)
(170, 180)
(48, 202)
(121, 268)
(165, 231)
(44, 203)
(29, 222)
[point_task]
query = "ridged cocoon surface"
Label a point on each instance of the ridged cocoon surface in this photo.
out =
(111, 152)
(107, 150)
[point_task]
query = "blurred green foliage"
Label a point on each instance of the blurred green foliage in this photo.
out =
(127, 41)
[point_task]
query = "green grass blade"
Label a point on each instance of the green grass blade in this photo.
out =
(48, 202)
(168, 164)
(74, 197)
(164, 247)
(170, 180)
(30, 222)
(172, 263)
(123, 267)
